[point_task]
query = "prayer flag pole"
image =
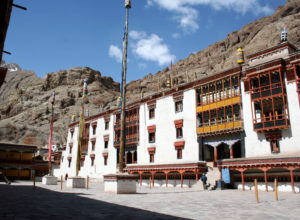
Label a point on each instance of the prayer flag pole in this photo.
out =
(50, 134)
(123, 89)
(81, 126)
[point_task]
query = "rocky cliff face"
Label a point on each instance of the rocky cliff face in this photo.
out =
(25, 98)
(25, 102)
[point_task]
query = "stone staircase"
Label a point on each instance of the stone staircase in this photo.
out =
(198, 186)
(213, 175)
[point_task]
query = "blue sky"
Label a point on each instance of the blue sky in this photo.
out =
(53, 35)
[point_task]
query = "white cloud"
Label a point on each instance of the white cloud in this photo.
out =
(150, 48)
(176, 35)
(187, 15)
(142, 66)
(136, 35)
(115, 52)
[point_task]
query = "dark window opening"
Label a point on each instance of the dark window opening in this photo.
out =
(221, 118)
(105, 144)
(151, 158)
(275, 77)
(82, 162)
(298, 71)
(94, 129)
(213, 117)
(179, 153)
(228, 113)
(254, 83)
(106, 125)
(264, 80)
(206, 119)
(178, 106)
(199, 120)
(152, 137)
(236, 113)
(274, 146)
(198, 95)
(151, 113)
(179, 133)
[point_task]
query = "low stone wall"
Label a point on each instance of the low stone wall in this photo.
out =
(282, 186)
(171, 183)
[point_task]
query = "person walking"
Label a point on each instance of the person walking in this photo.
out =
(204, 180)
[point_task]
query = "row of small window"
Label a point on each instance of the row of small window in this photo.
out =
(218, 90)
(266, 79)
(178, 108)
(92, 162)
(179, 134)
(93, 146)
(219, 116)
(151, 155)
(94, 127)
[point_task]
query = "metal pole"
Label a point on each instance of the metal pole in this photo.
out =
(123, 96)
(50, 134)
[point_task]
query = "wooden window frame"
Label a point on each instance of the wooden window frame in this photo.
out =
(151, 113)
(178, 106)
(151, 151)
(69, 162)
(179, 153)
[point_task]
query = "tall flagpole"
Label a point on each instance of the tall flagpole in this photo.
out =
(50, 134)
(81, 126)
(123, 89)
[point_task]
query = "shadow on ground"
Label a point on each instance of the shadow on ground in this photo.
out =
(25, 202)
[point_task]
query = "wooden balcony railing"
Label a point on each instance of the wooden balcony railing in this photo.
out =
(271, 122)
(219, 125)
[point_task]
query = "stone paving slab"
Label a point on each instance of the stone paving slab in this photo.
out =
(21, 201)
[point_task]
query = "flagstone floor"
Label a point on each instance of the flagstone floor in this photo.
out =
(21, 201)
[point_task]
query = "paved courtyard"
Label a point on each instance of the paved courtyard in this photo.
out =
(21, 201)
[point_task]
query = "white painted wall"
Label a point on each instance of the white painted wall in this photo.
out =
(165, 134)
(290, 141)
(282, 186)
(64, 169)
(99, 169)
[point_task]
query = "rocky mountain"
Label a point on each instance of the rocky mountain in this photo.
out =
(25, 98)
(25, 102)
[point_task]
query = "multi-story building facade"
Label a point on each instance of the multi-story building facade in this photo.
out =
(243, 123)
